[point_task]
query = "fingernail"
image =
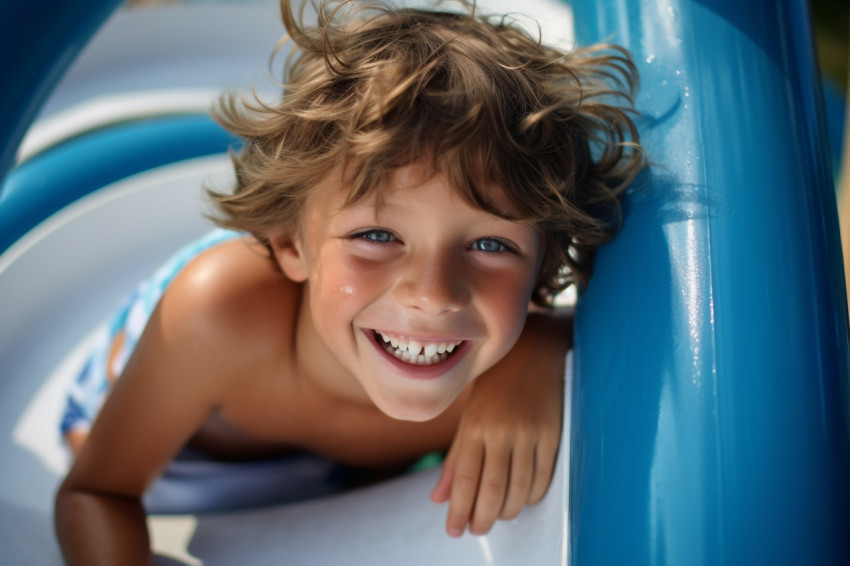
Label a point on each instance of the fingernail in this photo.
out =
(455, 532)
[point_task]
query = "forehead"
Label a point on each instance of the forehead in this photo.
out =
(337, 191)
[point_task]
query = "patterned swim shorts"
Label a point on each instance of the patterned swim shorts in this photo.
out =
(89, 390)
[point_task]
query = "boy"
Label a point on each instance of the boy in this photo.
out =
(424, 177)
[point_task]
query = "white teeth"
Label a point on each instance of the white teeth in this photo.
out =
(414, 352)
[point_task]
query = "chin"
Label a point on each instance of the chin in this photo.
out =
(414, 412)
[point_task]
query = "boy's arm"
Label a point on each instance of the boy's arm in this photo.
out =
(170, 385)
(97, 528)
(504, 451)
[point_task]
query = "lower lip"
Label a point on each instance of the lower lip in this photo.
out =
(432, 371)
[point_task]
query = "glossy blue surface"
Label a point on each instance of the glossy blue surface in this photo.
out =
(45, 184)
(38, 41)
(711, 399)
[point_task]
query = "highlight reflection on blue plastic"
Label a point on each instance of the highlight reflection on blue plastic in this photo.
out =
(61, 175)
(38, 41)
(711, 404)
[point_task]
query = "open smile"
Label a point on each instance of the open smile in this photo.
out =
(419, 358)
(416, 352)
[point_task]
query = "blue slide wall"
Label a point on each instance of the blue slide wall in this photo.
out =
(711, 396)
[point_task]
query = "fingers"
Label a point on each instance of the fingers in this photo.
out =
(492, 489)
(486, 481)
(519, 488)
(441, 491)
(492, 484)
(464, 488)
(544, 466)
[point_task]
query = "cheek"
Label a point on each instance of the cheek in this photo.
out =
(341, 286)
(506, 301)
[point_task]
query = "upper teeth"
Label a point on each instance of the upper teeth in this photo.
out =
(414, 348)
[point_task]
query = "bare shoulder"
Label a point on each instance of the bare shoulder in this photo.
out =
(213, 327)
(231, 301)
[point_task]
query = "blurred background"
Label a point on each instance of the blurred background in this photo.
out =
(831, 22)
(830, 18)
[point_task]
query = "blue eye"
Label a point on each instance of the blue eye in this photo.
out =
(489, 245)
(377, 236)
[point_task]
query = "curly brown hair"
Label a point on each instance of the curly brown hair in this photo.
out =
(376, 88)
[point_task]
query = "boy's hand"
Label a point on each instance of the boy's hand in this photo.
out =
(503, 453)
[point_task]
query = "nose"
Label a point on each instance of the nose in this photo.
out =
(434, 284)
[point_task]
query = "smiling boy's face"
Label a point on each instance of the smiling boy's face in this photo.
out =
(411, 300)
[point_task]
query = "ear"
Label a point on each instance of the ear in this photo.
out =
(289, 254)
